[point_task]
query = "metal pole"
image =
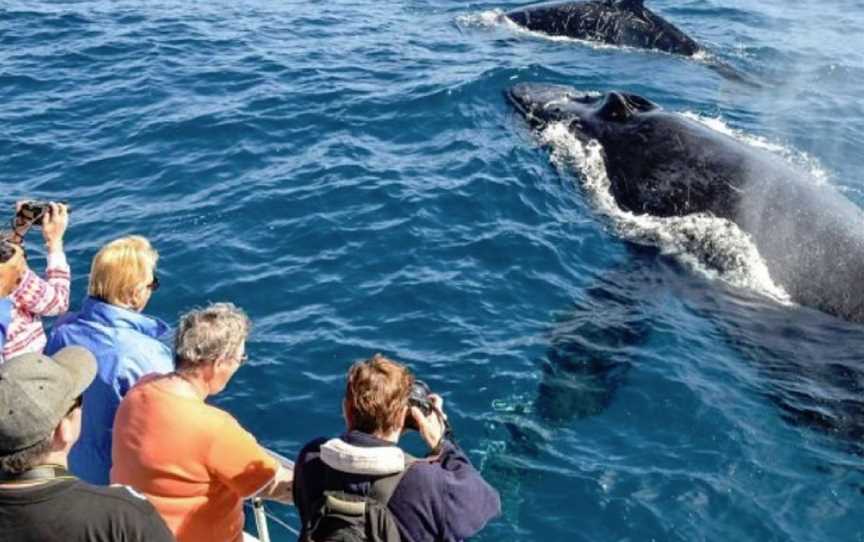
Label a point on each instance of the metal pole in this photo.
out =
(260, 519)
(258, 503)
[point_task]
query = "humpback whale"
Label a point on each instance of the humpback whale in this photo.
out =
(664, 164)
(616, 22)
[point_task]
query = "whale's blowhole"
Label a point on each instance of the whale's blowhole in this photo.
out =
(621, 106)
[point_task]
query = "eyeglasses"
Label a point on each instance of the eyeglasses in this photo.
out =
(79, 402)
(155, 284)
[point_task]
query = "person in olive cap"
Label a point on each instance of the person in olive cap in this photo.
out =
(40, 420)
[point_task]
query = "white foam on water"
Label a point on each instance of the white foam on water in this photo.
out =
(711, 246)
(703, 56)
(485, 19)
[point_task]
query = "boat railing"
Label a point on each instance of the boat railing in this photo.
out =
(262, 516)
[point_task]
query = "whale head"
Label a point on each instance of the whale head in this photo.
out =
(587, 113)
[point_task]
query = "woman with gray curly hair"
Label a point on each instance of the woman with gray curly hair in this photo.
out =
(194, 461)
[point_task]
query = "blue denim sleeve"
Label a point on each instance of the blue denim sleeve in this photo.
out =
(5, 318)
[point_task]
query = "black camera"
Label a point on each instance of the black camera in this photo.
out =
(35, 212)
(419, 397)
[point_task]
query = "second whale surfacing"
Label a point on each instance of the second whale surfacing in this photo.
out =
(616, 22)
(664, 164)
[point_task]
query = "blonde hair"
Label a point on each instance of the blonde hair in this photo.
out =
(121, 269)
(209, 334)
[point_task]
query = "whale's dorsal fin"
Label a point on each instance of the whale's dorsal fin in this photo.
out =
(619, 107)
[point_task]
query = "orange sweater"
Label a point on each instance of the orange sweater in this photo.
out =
(193, 461)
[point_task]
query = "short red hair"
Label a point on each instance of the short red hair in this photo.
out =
(376, 395)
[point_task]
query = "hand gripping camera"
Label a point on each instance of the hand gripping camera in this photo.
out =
(419, 397)
(34, 212)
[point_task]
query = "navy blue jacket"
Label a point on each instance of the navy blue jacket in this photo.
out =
(442, 499)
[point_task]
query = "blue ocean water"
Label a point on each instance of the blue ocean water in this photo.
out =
(350, 174)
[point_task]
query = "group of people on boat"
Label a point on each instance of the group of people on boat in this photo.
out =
(106, 434)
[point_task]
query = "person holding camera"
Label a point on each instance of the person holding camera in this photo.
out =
(362, 486)
(32, 297)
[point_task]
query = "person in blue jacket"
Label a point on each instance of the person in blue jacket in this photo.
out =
(127, 344)
(5, 318)
(438, 498)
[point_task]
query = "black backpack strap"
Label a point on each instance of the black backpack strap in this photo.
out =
(316, 524)
(344, 504)
(340, 516)
(383, 488)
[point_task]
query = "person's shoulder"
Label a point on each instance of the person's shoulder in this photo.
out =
(139, 354)
(65, 325)
(423, 475)
(115, 498)
(145, 386)
(66, 319)
(313, 445)
(137, 344)
(121, 507)
(420, 492)
(77, 328)
(311, 450)
(423, 470)
(145, 329)
(219, 424)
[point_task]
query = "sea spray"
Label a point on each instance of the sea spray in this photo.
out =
(714, 247)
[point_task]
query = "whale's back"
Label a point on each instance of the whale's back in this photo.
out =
(813, 239)
(626, 23)
(810, 235)
(663, 164)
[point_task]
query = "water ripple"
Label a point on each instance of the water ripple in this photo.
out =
(351, 175)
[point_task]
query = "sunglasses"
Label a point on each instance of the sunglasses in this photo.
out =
(79, 401)
(155, 284)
